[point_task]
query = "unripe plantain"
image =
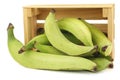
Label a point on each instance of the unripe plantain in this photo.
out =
(39, 60)
(42, 39)
(77, 28)
(102, 63)
(47, 49)
(52, 50)
(58, 40)
(104, 44)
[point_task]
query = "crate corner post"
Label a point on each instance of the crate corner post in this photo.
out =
(30, 24)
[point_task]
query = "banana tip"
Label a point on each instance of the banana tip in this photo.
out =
(52, 10)
(104, 48)
(111, 65)
(94, 69)
(112, 59)
(79, 18)
(21, 50)
(10, 26)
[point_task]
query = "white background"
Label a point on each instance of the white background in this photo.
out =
(12, 11)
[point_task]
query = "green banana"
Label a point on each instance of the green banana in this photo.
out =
(42, 39)
(52, 50)
(37, 60)
(102, 63)
(58, 40)
(47, 49)
(104, 44)
(77, 28)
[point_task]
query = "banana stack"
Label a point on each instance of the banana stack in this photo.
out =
(66, 44)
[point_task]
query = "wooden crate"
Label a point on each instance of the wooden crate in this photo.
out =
(33, 13)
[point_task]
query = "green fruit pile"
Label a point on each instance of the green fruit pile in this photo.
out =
(66, 44)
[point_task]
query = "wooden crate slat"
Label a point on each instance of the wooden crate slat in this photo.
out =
(70, 6)
(105, 12)
(92, 13)
(111, 32)
(102, 27)
(33, 26)
(27, 28)
(29, 24)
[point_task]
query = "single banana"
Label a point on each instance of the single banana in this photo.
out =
(52, 50)
(77, 28)
(37, 60)
(104, 44)
(42, 39)
(102, 63)
(47, 49)
(58, 40)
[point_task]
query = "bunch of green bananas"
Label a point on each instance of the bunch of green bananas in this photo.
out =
(66, 44)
